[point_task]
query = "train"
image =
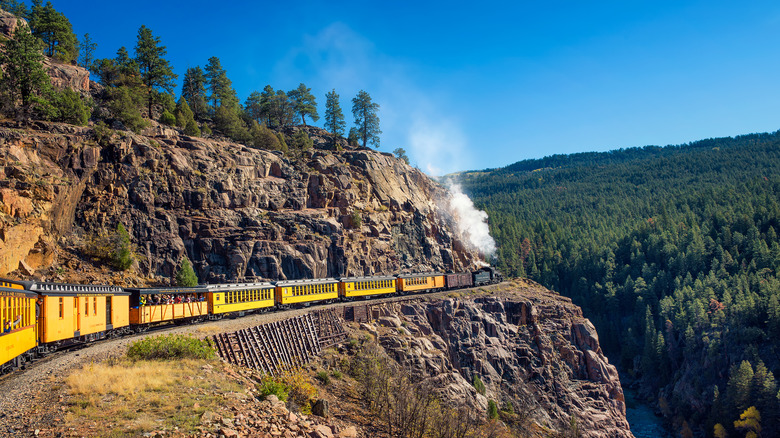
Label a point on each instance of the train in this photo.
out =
(37, 318)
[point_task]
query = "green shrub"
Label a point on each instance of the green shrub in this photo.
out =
(167, 118)
(206, 130)
(336, 374)
(169, 347)
(124, 103)
(478, 385)
(192, 129)
(509, 408)
(492, 411)
(122, 255)
(323, 377)
(269, 386)
(72, 108)
(264, 138)
(355, 220)
(185, 275)
(282, 143)
(301, 141)
(102, 133)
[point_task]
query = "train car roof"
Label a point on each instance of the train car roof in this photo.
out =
(371, 278)
(166, 290)
(305, 282)
(4, 282)
(68, 290)
(419, 274)
(7, 291)
(238, 286)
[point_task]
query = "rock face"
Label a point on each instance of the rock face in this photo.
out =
(530, 347)
(67, 76)
(236, 212)
(62, 75)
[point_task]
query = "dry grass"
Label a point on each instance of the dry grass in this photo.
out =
(129, 398)
(208, 330)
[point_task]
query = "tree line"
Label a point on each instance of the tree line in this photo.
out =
(141, 86)
(673, 253)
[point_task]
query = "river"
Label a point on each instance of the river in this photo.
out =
(643, 421)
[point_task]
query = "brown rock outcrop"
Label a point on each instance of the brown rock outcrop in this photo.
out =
(529, 346)
(8, 23)
(67, 76)
(62, 75)
(238, 213)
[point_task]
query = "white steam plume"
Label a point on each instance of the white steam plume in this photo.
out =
(470, 222)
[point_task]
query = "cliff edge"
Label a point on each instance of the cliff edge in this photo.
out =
(530, 347)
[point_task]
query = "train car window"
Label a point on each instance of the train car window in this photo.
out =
(62, 307)
(86, 306)
(94, 305)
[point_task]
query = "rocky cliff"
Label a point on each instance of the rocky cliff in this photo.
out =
(62, 75)
(529, 346)
(236, 212)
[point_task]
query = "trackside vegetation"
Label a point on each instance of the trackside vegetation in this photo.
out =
(171, 347)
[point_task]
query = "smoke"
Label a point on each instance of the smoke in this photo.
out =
(470, 222)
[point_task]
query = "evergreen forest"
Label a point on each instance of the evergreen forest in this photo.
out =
(673, 253)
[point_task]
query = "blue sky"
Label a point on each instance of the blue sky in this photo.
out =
(473, 85)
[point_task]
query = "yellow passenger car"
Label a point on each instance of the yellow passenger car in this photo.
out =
(295, 292)
(79, 312)
(351, 287)
(241, 297)
(17, 324)
(419, 282)
(167, 304)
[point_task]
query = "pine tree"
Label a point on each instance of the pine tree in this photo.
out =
(649, 354)
(401, 153)
(122, 253)
(183, 113)
(304, 103)
(738, 388)
(56, 32)
(253, 107)
(267, 105)
(193, 89)
(156, 72)
(366, 118)
(88, 48)
(25, 86)
(334, 118)
(221, 88)
(72, 108)
(185, 118)
(185, 275)
(227, 121)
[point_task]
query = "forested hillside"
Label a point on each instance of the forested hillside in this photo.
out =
(673, 253)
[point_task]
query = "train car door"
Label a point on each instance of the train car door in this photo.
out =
(108, 313)
(76, 317)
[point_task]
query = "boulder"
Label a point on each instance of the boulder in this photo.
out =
(321, 408)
